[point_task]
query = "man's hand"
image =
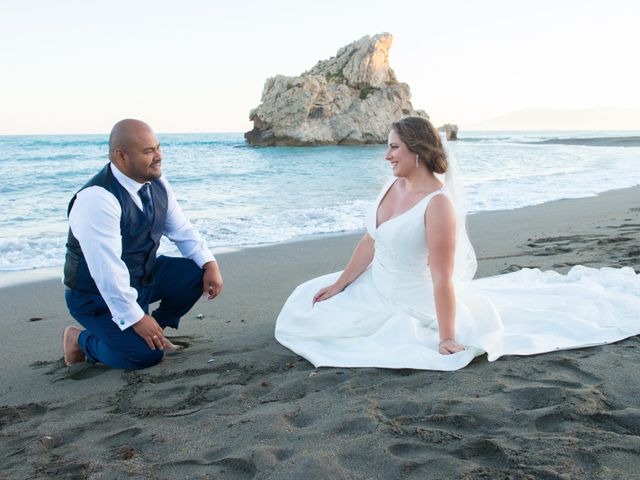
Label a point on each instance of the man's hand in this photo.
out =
(211, 280)
(150, 331)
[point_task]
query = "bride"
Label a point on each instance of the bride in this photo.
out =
(406, 299)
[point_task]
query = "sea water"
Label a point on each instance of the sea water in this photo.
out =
(239, 196)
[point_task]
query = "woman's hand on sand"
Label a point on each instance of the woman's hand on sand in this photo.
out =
(449, 346)
(327, 292)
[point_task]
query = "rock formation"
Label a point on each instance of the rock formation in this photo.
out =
(450, 130)
(350, 99)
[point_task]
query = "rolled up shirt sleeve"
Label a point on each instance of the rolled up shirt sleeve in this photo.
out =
(95, 222)
(180, 231)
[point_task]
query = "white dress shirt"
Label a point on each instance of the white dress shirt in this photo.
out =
(95, 222)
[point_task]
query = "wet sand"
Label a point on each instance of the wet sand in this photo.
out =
(235, 404)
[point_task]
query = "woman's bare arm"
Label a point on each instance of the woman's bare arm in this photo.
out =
(360, 260)
(441, 240)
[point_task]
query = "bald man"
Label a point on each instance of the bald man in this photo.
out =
(111, 270)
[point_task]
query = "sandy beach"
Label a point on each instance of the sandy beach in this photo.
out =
(234, 404)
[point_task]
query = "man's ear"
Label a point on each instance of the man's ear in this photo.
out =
(119, 157)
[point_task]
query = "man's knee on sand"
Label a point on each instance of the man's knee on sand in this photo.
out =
(143, 358)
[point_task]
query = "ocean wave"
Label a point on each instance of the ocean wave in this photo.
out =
(198, 143)
(592, 142)
(240, 197)
(482, 139)
(47, 249)
(243, 230)
(32, 251)
(28, 142)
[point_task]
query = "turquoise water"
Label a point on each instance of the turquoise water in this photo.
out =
(240, 196)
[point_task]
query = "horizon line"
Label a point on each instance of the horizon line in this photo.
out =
(242, 132)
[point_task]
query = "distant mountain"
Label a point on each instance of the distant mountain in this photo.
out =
(597, 118)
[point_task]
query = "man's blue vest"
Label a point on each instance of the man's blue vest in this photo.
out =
(140, 238)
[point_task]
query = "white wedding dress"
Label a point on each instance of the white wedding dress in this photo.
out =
(386, 317)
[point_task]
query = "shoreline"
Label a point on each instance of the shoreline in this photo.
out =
(596, 231)
(236, 404)
(21, 277)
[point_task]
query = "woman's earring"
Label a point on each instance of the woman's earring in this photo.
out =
(416, 160)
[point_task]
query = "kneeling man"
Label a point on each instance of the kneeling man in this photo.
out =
(111, 270)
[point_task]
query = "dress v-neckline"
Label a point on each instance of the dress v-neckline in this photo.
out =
(378, 226)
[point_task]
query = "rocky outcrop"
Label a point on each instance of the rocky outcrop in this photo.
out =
(450, 130)
(350, 99)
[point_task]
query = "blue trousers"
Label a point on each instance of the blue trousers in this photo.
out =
(178, 286)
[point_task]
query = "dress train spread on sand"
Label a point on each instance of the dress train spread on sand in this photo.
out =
(386, 317)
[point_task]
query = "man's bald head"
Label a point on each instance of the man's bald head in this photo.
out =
(135, 150)
(124, 133)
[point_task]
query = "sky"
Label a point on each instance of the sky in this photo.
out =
(199, 66)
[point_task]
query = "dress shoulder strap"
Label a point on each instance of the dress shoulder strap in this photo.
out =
(432, 195)
(385, 189)
(387, 185)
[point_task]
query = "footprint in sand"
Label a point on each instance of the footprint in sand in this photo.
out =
(487, 452)
(232, 468)
(536, 397)
(298, 419)
(122, 437)
(20, 413)
(413, 451)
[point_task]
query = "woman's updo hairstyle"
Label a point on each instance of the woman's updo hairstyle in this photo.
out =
(421, 138)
